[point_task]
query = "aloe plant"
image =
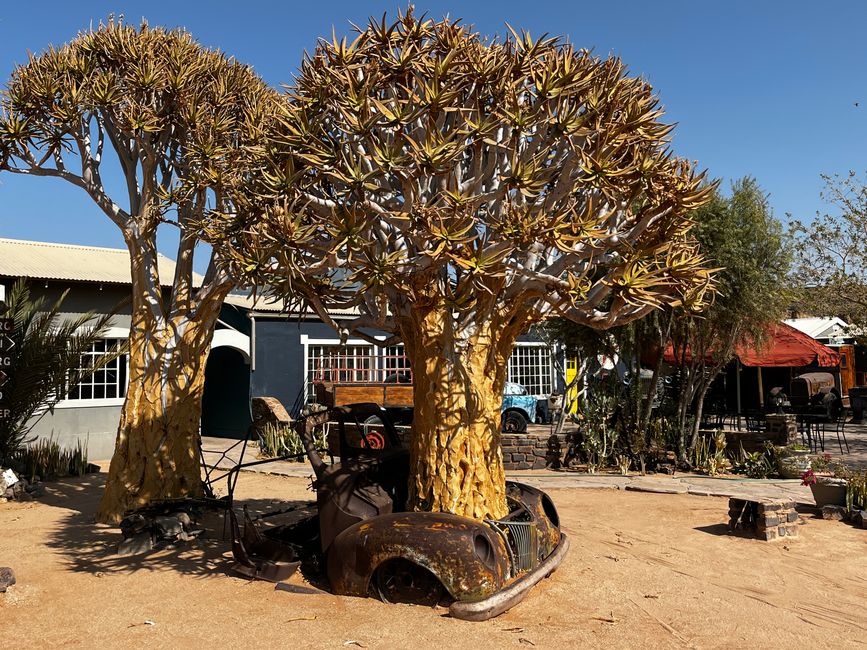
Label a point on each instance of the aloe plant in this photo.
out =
(170, 122)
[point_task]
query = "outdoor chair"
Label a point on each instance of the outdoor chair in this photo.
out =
(837, 427)
(811, 428)
(756, 422)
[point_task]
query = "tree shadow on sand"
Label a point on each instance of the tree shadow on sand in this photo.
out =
(88, 547)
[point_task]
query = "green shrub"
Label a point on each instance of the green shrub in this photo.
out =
(49, 357)
(856, 490)
(276, 441)
(46, 459)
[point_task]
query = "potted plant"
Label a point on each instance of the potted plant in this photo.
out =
(793, 461)
(828, 490)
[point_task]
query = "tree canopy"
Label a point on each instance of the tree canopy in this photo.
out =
(831, 259)
(420, 163)
(455, 190)
(739, 234)
(180, 120)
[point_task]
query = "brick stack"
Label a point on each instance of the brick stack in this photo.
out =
(782, 428)
(766, 519)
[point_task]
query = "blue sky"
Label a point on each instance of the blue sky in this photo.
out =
(760, 88)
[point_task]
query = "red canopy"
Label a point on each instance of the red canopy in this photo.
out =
(784, 347)
(787, 346)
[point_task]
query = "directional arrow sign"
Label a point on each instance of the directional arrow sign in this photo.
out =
(7, 326)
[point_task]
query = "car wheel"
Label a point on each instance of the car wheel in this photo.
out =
(514, 422)
(401, 581)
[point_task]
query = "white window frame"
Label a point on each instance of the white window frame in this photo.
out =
(306, 342)
(110, 333)
(542, 375)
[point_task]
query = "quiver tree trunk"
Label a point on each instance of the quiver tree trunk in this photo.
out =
(455, 456)
(156, 453)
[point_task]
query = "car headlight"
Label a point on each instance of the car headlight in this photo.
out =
(484, 551)
(550, 510)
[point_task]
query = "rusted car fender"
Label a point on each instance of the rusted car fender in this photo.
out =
(467, 557)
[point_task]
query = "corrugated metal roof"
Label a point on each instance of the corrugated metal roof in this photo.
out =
(819, 327)
(266, 304)
(48, 261)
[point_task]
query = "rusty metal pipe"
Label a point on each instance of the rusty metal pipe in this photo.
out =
(309, 423)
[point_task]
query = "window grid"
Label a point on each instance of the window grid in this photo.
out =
(356, 364)
(349, 364)
(530, 366)
(110, 381)
(395, 364)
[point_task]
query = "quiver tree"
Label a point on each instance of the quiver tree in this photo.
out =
(455, 191)
(174, 122)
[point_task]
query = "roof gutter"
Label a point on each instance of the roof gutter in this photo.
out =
(252, 316)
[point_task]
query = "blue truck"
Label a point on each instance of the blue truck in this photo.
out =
(518, 408)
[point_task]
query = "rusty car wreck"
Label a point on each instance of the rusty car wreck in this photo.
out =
(368, 544)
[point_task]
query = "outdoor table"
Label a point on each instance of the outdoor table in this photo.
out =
(812, 429)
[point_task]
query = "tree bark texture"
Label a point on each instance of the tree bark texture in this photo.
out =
(455, 455)
(157, 448)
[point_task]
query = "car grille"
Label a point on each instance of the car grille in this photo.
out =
(522, 540)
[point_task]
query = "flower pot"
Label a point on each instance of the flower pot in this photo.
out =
(829, 492)
(794, 465)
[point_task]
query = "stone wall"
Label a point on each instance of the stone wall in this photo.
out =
(780, 430)
(521, 450)
(532, 450)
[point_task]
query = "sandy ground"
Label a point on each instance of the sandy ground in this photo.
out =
(645, 570)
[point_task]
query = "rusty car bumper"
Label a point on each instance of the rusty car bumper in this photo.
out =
(512, 594)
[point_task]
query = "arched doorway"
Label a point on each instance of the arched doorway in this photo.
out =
(226, 400)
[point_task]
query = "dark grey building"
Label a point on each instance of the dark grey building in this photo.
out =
(257, 350)
(98, 280)
(289, 353)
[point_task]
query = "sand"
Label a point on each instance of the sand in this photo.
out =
(644, 570)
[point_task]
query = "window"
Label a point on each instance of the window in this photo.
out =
(530, 366)
(333, 363)
(358, 363)
(107, 383)
(395, 365)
